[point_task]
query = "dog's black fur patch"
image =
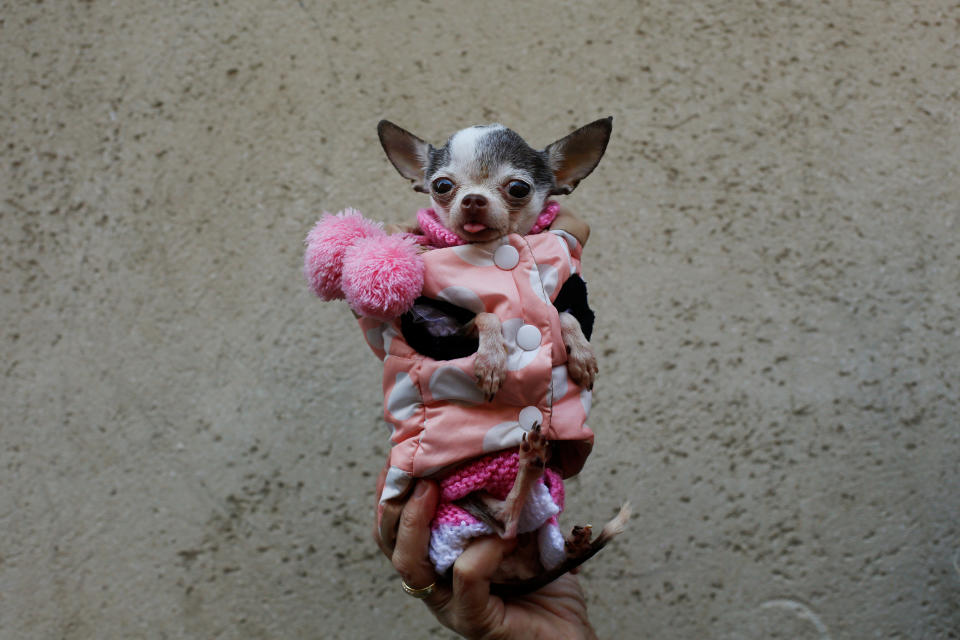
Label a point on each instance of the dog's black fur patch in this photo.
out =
(438, 329)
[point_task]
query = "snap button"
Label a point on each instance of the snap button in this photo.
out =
(528, 337)
(506, 257)
(530, 416)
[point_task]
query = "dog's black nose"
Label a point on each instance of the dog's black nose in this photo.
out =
(474, 202)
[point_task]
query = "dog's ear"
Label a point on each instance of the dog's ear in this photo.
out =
(574, 157)
(407, 152)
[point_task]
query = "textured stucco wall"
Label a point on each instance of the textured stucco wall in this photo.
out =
(189, 440)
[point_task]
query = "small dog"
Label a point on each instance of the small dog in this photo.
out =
(486, 183)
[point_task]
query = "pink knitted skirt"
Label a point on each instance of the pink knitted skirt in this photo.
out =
(453, 528)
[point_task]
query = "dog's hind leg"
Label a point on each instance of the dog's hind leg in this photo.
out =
(533, 460)
(503, 516)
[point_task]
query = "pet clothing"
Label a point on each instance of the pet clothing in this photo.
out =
(442, 425)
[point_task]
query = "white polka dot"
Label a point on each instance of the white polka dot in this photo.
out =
(567, 244)
(502, 436)
(450, 383)
(375, 337)
(478, 255)
(506, 257)
(543, 281)
(528, 337)
(530, 416)
(569, 239)
(404, 398)
(586, 397)
(389, 333)
(536, 285)
(462, 297)
(558, 382)
(395, 484)
(517, 358)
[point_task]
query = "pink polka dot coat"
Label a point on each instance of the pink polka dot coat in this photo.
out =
(439, 417)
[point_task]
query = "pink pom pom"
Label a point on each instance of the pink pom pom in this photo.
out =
(382, 276)
(327, 243)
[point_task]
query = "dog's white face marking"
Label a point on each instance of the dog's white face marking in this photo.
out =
(463, 147)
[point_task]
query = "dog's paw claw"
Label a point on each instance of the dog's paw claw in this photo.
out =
(490, 372)
(582, 366)
(533, 447)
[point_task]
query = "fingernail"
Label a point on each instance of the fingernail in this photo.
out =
(421, 490)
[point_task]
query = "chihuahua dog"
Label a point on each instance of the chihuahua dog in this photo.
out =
(485, 183)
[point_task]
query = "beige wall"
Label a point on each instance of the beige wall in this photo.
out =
(189, 440)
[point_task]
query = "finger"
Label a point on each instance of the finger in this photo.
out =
(388, 514)
(378, 510)
(410, 555)
(385, 532)
(471, 582)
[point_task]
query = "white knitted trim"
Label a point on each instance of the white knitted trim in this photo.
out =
(448, 541)
(538, 509)
(553, 550)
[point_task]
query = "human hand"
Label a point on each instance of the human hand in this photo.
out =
(567, 221)
(465, 605)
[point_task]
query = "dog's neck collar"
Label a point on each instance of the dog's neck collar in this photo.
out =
(437, 235)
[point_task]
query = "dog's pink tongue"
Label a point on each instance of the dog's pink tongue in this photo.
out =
(474, 227)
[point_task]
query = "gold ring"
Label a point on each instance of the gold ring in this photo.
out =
(419, 594)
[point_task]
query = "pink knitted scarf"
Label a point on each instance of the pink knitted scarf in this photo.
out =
(437, 235)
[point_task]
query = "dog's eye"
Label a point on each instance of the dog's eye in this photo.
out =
(442, 185)
(518, 188)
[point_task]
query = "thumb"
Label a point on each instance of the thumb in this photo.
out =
(471, 583)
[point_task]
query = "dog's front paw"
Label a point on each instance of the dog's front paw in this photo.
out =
(581, 363)
(490, 368)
